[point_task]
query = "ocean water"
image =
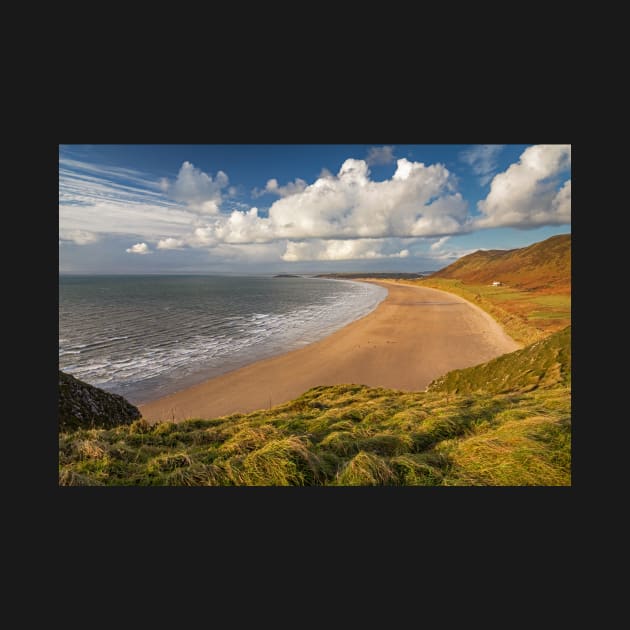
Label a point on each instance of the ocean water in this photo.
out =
(148, 336)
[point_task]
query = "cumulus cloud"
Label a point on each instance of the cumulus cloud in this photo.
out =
(528, 194)
(417, 201)
(138, 248)
(170, 243)
(198, 190)
(273, 188)
(354, 249)
(438, 244)
(79, 237)
(380, 155)
(483, 160)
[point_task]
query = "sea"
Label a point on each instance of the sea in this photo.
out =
(149, 336)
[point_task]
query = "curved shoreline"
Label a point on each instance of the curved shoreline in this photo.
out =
(413, 336)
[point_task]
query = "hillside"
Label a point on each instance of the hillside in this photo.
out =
(534, 298)
(518, 432)
(82, 405)
(543, 364)
(543, 266)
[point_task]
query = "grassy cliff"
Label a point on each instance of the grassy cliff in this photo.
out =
(516, 432)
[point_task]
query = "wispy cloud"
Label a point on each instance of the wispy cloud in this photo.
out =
(96, 199)
(380, 155)
(438, 244)
(80, 237)
(482, 158)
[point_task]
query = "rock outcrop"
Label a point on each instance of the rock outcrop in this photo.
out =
(85, 406)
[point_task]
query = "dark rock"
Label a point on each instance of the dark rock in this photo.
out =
(85, 406)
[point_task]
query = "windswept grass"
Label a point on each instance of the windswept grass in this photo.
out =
(506, 422)
(543, 364)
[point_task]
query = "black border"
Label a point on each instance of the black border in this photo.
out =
(466, 515)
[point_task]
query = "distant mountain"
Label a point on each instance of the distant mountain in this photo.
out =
(543, 265)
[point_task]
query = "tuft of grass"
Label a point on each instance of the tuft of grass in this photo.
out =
(249, 439)
(366, 469)
(515, 454)
(168, 462)
(69, 477)
(197, 474)
(419, 470)
(90, 449)
(286, 462)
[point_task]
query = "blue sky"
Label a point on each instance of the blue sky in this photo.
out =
(303, 208)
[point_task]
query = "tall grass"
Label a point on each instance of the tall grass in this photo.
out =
(505, 422)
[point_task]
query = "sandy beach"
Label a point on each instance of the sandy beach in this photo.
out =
(415, 335)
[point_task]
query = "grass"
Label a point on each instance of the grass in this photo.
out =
(546, 363)
(516, 431)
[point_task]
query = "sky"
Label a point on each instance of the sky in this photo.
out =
(256, 209)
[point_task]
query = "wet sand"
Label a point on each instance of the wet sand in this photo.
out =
(415, 335)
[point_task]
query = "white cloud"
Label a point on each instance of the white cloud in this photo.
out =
(251, 253)
(198, 190)
(417, 201)
(91, 202)
(438, 244)
(108, 172)
(342, 216)
(354, 249)
(483, 160)
(170, 243)
(447, 257)
(527, 194)
(79, 237)
(272, 187)
(147, 220)
(380, 155)
(139, 248)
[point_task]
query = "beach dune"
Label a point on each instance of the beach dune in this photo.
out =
(415, 335)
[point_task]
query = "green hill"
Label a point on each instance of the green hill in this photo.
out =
(542, 266)
(517, 431)
(545, 363)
